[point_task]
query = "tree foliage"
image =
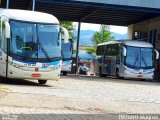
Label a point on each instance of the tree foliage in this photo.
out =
(103, 35)
(70, 27)
(90, 50)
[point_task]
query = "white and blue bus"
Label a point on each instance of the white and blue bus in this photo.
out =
(30, 45)
(67, 50)
(126, 59)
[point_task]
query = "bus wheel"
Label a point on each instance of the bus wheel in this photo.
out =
(64, 73)
(142, 79)
(42, 81)
(100, 73)
(117, 73)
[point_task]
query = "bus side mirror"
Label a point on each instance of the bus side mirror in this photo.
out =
(65, 34)
(157, 54)
(7, 30)
(124, 51)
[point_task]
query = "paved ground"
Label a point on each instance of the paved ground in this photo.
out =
(80, 95)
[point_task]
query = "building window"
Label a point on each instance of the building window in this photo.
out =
(137, 35)
(154, 37)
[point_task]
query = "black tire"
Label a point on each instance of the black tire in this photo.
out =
(64, 73)
(117, 73)
(42, 82)
(143, 79)
(100, 73)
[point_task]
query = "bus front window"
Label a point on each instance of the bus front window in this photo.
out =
(133, 56)
(23, 40)
(139, 57)
(30, 40)
(66, 50)
(146, 57)
(48, 39)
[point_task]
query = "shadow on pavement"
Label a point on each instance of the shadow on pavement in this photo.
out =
(112, 79)
(21, 82)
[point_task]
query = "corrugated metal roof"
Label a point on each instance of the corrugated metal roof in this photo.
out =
(111, 12)
(134, 3)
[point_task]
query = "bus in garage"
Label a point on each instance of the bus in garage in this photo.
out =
(67, 51)
(126, 59)
(30, 45)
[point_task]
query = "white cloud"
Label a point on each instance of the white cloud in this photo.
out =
(119, 29)
(95, 27)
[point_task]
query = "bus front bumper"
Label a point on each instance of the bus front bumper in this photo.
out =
(16, 73)
(139, 76)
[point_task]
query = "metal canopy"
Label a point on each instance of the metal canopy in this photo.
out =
(89, 12)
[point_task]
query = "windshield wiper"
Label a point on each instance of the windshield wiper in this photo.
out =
(144, 61)
(45, 52)
(135, 61)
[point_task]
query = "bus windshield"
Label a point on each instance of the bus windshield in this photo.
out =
(31, 40)
(66, 50)
(139, 57)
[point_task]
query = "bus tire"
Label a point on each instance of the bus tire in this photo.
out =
(64, 73)
(117, 73)
(100, 73)
(143, 79)
(42, 82)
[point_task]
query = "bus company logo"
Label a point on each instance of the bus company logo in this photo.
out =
(29, 65)
(55, 67)
(45, 64)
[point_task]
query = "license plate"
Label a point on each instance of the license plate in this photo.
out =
(36, 75)
(139, 76)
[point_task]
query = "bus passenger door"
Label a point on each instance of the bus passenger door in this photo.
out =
(107, 60)
(3, 49)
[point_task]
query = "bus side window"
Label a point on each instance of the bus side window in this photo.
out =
(108, 51)
(3, 41)
(100, 50)
(115, 50)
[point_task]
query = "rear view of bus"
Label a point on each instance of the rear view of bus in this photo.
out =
(30, 46)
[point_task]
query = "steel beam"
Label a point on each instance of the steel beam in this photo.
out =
(7, 4)
(77, 48)
(33, 5)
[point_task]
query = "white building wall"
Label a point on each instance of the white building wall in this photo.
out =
(130, 31)
(144, 28)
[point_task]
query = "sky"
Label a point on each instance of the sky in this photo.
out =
(95, 27)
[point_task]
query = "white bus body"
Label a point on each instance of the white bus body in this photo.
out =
(67, 49)
(30, 45)
(125, 58)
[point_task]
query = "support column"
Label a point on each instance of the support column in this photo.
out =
(7, 4)
(77, 48)
(33, 5)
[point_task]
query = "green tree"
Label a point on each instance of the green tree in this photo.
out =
(103, 35)
(70, 27)
(90, 50)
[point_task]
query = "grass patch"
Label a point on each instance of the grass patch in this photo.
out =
(2, 89)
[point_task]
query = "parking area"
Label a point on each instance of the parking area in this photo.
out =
(80, 95)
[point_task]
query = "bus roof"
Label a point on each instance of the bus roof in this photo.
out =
(135, 43)
(30, 16)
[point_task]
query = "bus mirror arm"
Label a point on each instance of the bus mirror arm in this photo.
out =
(65, 34)
(7, 30)
(157, 54)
